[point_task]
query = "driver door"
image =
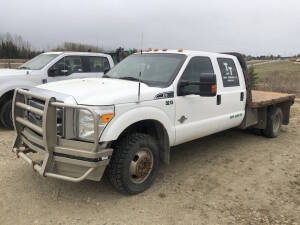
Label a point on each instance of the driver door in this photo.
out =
(69, 67)
(196, 115)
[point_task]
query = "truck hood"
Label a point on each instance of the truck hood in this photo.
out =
(13, 72)
(102, 91)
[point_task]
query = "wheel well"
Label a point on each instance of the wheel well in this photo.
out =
(155, 129)
(7, 96)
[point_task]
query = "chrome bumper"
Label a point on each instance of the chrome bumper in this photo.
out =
(64, 159)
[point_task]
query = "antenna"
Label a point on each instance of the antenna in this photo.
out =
(140, 73)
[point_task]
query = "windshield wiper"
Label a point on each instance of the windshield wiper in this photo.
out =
(106, 76)
(24, 67)
(129, 78)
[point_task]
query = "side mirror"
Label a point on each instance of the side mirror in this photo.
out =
(208, 85)
(205, 87)
(58, 70)
(105, 70)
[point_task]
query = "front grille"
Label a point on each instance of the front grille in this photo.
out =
(38, 120)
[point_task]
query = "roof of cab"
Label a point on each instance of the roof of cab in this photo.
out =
(189, 53)
(76, 53)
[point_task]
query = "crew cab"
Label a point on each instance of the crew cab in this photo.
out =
(48, 67)
(125, 123)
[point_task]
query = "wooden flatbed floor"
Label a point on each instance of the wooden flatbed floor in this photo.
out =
(265, 98)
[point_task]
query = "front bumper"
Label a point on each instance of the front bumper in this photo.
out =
(59, 158)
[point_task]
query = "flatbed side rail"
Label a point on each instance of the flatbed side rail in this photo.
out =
(266, 98)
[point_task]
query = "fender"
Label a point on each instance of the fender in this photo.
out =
(120, 123)
(10, 85)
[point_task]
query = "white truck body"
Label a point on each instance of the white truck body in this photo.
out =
(26, 77)
(126, 112)
(204, 115)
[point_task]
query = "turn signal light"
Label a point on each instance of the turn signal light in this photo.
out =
(213, 89)
(105, 118)
(180, 50)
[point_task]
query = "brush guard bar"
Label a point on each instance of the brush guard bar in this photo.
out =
(44, 139)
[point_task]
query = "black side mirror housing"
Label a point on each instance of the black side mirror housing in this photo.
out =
(208, 85)
(106, 71)
(58, 70)
(205, 87)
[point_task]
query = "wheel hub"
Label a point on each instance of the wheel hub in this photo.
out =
(277, 122)
(141, 166)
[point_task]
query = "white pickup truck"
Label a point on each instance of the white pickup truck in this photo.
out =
(125, 123)
(48, 67)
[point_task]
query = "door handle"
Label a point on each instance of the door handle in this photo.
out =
(242, 96)
(219, 99)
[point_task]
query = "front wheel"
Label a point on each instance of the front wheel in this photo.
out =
(134, 163)
(6, 115)
(274, 121)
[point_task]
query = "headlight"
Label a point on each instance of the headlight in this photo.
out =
(86, 121)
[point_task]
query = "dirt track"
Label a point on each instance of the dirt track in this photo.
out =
(233, 177)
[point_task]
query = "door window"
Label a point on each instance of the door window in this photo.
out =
(66, 66)
(229, 72)
(197, 66)
(97, 64)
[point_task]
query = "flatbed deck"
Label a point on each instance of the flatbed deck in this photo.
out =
(265, 98)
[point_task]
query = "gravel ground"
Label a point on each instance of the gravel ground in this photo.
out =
(234, 177)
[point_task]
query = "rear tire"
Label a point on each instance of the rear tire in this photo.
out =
(274, 121)
(134, 163)
(6, 115)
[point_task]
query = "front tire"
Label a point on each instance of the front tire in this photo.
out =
(6, 115)
(134, 163)
(274, 121)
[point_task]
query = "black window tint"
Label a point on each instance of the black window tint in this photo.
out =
(229, 72)
(98, 64)
(197, 66)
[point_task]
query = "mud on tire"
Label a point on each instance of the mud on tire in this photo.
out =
(134, 163)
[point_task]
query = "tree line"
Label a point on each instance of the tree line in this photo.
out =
(14, 47)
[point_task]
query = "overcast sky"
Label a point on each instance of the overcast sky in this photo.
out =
(248, 26)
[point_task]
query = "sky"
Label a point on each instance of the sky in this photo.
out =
(254, 27)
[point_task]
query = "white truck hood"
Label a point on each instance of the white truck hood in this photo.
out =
(13, 72)
(102, 91)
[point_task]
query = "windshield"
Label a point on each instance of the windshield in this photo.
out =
(156, 69)
(38, 62)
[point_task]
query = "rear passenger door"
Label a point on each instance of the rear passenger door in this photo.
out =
(95, 66)
(232, 91)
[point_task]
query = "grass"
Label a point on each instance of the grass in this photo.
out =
(282, 76)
